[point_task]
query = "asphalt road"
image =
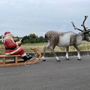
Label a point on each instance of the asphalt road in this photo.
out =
(49, 75)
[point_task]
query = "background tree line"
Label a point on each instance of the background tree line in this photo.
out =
(32, 38)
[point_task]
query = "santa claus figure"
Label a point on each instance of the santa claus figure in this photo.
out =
(13, 48)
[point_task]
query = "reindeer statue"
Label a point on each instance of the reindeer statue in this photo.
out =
(66, 39)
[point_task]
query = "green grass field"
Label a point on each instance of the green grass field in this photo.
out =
(34, 44)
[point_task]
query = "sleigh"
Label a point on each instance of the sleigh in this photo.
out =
(16, 61)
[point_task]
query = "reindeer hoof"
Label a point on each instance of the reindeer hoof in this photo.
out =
(58, 60)
(79, 59)
(44, 60)
(67, 58)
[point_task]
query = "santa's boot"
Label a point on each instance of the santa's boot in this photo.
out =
(27, 57)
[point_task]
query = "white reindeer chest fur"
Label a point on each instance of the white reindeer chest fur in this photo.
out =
(64, 40)
(78, 39)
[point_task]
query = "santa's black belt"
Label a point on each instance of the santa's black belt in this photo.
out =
(9, 48)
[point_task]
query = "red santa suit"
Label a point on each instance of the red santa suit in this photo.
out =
(11, 47)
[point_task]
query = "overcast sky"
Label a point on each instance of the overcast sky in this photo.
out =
(23, 17)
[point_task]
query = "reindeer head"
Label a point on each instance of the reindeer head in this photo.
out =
(85, 31)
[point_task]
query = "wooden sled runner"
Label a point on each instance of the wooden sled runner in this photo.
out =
(16, 62)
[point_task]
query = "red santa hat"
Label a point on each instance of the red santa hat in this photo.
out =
(7, 33)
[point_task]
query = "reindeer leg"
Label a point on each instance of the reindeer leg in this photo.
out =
(79, 57)
(52, 50)
(67, 49)
(44, 49)
(43, 57)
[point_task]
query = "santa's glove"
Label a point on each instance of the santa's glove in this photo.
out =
(18, 43)
(21, 41)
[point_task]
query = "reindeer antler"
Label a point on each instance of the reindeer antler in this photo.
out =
(83, 23)
(76, 27)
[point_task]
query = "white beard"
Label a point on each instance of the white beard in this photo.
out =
(4, 37)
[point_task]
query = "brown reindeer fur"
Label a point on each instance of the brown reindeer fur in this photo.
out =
(73, 39)
(56, 38)
(53, 37)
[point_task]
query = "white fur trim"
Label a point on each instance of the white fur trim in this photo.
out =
(13, 51)
(24, 55)
(17, 43)
(7, 53)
